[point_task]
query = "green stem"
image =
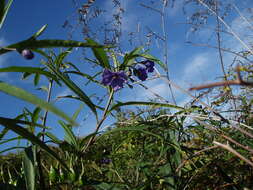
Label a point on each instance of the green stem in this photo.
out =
(42, 181)
(46, 113)
(101, 121)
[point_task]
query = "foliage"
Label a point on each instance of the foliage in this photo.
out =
(154, 146)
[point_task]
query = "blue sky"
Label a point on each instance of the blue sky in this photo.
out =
(188, 65)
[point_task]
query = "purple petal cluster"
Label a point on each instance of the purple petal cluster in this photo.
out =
(114, 79)
(105, 161)
(27, 54)
(149, 65)
(141, 70)
(117, 79)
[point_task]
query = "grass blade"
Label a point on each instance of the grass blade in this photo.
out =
(100, 54)
(72, 86)
(5, 11)
(29, 159)
(28, 70)
(10, 124)
(120, 104)
(24, 95)
(34, 44)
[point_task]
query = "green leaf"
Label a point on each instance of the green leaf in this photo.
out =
(142, 129)
(69, 135)
(59, 59)
(12, 148)
(72, 86)
(36, 79)
(53, 138)
(128, 58)
(10, 124)
(24, 95)
(152, 58)
(29, 160)
(3, 133)
(4, 11)
(100, 54)
(34, 44)
(120, 104)
(36, 114)
(77, 112)
(9, 140)
(28, 70)
(40, 31)
(2, 6)
(90, 78)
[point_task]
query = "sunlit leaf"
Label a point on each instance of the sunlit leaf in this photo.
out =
(72, 86)
(29, 161)
(153, 104)
(10, 124)
(24, 95)
(28, 70)
(34, 44)
(100, 54)
(40, 31)
(4, 10)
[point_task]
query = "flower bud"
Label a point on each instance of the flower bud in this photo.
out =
(27, 54)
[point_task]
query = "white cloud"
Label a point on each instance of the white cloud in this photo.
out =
(197, 67)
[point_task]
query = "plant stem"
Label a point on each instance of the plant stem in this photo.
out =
(101, 121)
(46, 112)
(42, 181)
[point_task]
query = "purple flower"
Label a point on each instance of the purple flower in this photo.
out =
(149, 65)
(105, 161)
(27, 54)
(114, 79)
(141, 72)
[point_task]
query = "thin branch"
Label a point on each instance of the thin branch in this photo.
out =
(244, 18)
(230, 149)
(238, 144)
(189, 94)
(219, 41)
(101, 121)
(227, 26)
(151, 8)
(205, 27)
(46, 112)
(238, 81)
(195, 154)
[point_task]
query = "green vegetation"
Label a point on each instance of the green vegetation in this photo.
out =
(155, 145)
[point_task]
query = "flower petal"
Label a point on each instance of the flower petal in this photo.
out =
(107, 77)
(150, 65)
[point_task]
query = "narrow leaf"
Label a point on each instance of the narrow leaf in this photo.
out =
(28, 70)
(29, 160)
(31, 137)
(152, 58)
(40, 31)
(144, 104)
(72, 86)
(69, 135)
(34, 44)
(77, 112)
(6, 10)
(53, 138)
(24, 95)
(100, 54)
